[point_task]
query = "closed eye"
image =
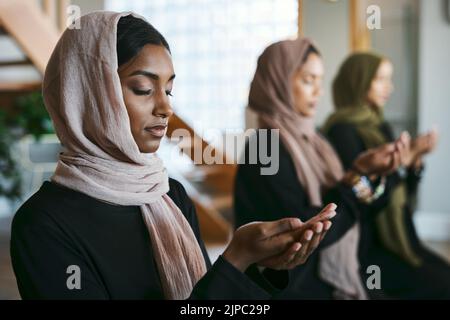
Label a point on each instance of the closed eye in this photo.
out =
(142, 92)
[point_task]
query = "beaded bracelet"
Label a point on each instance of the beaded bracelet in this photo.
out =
(363, 190)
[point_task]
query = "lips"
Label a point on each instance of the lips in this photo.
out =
(158, 131)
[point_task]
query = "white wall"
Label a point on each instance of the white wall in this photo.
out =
(399, 26)
(434, 108)
(89, 5)
(327, 23)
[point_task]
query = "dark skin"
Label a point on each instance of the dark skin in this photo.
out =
(147, 82)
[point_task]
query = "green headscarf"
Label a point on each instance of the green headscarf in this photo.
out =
(354, 78)
(350, 88)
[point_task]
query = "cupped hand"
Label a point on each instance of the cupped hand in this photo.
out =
(281, 244)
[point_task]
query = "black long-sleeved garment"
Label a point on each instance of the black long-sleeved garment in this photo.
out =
(59, 227)
(399, 279)
(270, 197)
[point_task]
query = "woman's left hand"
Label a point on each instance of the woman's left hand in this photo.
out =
(420, 146)
(310, 234)
(425, 143)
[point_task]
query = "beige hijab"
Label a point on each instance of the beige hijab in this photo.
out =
(317, 166)
(83, 95)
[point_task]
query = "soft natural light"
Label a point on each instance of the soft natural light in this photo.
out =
(215, 45)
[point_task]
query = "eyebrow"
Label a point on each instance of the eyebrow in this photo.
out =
(311, 74)
(149, 75)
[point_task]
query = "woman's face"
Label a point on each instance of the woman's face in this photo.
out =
(307, 85)
(381, 87)
(147, 81)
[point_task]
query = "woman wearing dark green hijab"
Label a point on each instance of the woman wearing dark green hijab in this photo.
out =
(360, 91)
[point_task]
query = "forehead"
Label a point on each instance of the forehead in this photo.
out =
(153, 58)
(312, 65)
(385, 67)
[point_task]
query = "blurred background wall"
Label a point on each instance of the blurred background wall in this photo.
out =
(434, 109)
(215, 46)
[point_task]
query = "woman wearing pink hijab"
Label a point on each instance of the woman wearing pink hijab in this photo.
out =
(284, 94)
(111, 224)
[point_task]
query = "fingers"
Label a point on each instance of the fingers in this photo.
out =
(307, 236)
(382, 158)
(387, 148)
(277, 237)
(270, 229)
(405, 141)
(318, 227)
(299, 251)
(426, 143)
(301, 255)
(315, 239)
(280, 242)
(395, 158)
(308, 246)
(405, 138)
(326, 226)
(327, 213)
(434, 135)
(290, 254)
(405, 151)
(281, 261)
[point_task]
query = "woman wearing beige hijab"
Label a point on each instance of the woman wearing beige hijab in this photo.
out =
(284, 94)
(111, 224)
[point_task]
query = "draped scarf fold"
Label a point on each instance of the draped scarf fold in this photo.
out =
(390, 222)
(83, 95)
(350, 89)
(317, 166)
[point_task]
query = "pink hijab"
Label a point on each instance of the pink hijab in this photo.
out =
(317, 166)
(270, 97)
(83, 95)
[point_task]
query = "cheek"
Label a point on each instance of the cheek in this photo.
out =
(298, 93)
(379, 89)
(374, 91)
(136, 111)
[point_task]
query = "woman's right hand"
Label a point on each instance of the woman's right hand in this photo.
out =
(382, 160)
(280, 244)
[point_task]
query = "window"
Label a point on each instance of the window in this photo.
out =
(215, 45)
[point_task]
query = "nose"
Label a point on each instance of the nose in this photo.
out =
(163, 107)
(318, 91)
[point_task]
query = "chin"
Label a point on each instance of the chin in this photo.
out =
(309, 113)
(312, 114)
(149, 147)
(380, 105)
